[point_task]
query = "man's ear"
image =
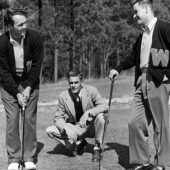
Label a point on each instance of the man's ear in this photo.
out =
(82, 81)
(147, 8)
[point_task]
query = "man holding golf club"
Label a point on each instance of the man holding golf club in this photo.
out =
(21, 52)
(81, 114)
(150, 56)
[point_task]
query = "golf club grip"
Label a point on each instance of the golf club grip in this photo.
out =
(111, 91)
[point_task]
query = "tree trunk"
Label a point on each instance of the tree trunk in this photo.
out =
(39, 13)
(90, 62)
(123, 47)
(80, 62)
(56, 65)
(105, 67)
(89, 68)
(117, 54)
(44, 53)
(101, 69)
(3, 24)
(71, 54)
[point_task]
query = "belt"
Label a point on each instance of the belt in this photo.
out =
(144, 81)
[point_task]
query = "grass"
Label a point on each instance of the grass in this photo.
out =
(123, 86)
(53, 156)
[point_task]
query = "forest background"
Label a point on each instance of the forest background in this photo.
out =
(88, 35)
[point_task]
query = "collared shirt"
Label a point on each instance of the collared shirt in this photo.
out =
(146, 43)
(19, 55)
(77, 98)
(78, 106)
(80, 95)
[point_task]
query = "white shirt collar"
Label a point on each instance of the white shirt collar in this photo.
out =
(13, 41)
(152, 23)
(80, 93)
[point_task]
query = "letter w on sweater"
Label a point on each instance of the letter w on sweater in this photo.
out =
(160, 56)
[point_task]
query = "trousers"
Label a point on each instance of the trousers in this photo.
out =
(151, 107)
(13, 142)
(95, 129)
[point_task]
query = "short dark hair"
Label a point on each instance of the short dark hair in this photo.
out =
(8, 21)
(75, 73)
(150, 2)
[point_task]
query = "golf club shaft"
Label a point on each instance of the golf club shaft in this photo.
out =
(107, 116)
(106, 119)
(22, 136)
(111, 91)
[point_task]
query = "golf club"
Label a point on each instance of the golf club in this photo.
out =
(106, 120)
(21, 164)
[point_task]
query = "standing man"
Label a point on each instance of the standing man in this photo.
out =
(21, 53)
(150, 56)
(80, 115)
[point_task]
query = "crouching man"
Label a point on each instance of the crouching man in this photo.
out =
(81, 114)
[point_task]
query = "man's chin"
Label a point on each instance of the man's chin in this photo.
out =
(139, 22)
(75, 91)
(23, 33)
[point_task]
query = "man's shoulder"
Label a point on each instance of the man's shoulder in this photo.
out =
(33, 33)
(162, 24)
(90, 88)
(4, 38)
(64, 94)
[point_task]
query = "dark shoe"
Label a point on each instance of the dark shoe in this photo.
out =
(72, 150)
(97, 155)
(74, 153)
(145, 167)
(81, 147)
(159, 168)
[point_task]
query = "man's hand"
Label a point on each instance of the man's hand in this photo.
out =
(113, 75)
(70, 133)
(21, 99)
(84, 118)
(26, 93)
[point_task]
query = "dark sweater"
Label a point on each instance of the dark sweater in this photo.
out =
(33, 52)
(159, 63)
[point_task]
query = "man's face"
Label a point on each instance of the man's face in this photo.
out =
(140, 13)
(75, 84)
(19, 24)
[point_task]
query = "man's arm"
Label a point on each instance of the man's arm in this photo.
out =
(60, 121)
(5, 72)
(100, 106)
(37, 56)
(60, 117)
(100, 103)
(127, 63)
(164, 29)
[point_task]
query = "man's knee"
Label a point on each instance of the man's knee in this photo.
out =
(133, 124)
(52, 130)
(100, 118)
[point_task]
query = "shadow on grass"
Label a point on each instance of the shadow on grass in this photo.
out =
(122, 152)
(61, 150)
(39, 148)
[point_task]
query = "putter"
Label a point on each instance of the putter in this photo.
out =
(107, 115)
(21, 164)
(97, 165)
(106, 121)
